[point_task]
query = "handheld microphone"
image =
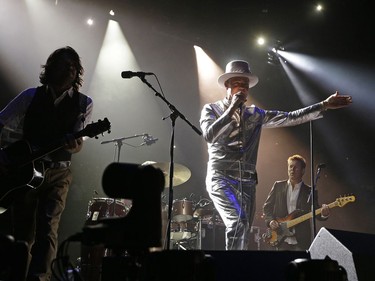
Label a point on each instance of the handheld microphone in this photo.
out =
(131, 74)
(322, 165)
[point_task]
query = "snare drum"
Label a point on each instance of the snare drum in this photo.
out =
(182, 210)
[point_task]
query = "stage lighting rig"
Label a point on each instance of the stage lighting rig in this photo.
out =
(273, 56)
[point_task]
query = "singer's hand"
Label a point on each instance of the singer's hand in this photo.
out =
(237, 100)
(337, 101)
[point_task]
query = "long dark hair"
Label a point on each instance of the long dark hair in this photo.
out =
(48, 69)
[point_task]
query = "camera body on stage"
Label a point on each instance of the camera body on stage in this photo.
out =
(143, 185)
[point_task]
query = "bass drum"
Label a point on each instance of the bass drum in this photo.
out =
(91, 256)
(99, 208)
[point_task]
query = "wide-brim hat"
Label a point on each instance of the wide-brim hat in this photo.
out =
(238, 68)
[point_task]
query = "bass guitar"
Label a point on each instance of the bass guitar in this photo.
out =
(23, 171)
(275, 237)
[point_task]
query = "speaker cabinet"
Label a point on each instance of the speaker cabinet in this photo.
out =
(353, 251)
(213, 237)
(253, 265)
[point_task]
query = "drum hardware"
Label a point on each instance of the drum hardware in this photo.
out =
(255, 230)
(147, 140)
(184, 230)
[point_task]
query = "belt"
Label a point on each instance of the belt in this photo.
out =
(244, 175)
(56, 165)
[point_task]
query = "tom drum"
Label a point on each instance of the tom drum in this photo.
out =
(182, 210)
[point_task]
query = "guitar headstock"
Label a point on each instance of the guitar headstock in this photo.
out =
(342, 201)
(94, 129)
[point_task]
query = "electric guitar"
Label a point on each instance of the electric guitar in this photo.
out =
(23, 171)
(275, 237)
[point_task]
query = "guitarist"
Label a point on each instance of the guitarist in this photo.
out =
(290, 196)
(53, 111)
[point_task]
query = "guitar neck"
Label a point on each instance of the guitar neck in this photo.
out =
(307, 216)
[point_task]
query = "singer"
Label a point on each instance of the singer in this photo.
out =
(232, 131)
(286, 197)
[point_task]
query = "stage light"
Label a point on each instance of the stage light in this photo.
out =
(319, 8)
(279, 46)
(111, 12)
(90, 21)
(273, 56)
(261, 41)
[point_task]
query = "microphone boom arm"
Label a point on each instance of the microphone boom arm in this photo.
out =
(171, 106)
(121, 139)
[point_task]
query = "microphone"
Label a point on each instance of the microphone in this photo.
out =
(321, 165)
(131, 74)
(148, 140)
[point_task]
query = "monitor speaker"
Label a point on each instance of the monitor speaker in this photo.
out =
(354, 251)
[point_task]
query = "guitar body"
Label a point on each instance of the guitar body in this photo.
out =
(24, 171)
(20, 176)
(275, 237)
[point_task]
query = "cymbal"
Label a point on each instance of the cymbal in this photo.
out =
(181, 174)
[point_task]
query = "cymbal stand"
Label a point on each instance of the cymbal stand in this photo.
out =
(173, 116)
(199, 235)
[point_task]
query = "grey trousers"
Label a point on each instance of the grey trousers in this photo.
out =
(36, 218)
(234, 199)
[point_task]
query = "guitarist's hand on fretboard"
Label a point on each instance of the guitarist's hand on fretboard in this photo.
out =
(73, 145)
(325, 211)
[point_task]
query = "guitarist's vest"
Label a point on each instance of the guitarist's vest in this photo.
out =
(44, 122)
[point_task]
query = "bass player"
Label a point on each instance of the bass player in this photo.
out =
(287, 199)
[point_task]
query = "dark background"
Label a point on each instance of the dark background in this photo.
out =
(161, 36)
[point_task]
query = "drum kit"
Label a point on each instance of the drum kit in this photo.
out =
(187, 218)
(188, 221)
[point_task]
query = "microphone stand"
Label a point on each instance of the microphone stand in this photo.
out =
(312, 194)
(118, 142)
(313, 207)
(314, 183)
(173, 116)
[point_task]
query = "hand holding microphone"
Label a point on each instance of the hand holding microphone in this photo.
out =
(238, 99)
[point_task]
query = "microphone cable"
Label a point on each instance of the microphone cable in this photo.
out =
(240, 199)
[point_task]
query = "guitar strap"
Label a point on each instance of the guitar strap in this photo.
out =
(82, 105)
